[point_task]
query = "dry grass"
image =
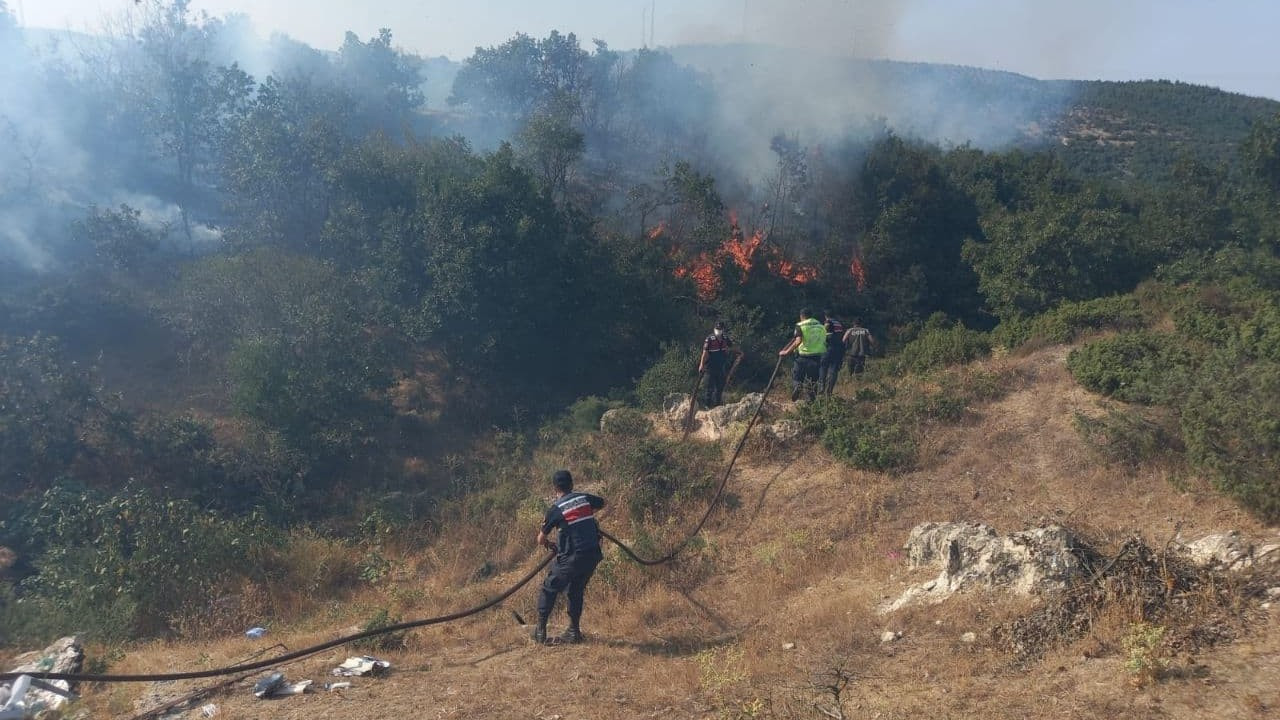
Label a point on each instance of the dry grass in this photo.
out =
(803, 555)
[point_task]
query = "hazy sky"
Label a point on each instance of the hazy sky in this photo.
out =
(1230, 43)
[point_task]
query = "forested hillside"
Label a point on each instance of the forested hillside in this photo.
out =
(258, 299)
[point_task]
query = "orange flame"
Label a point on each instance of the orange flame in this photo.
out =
(859, 272)
(794, 272)
(742, 251)
(704, 271)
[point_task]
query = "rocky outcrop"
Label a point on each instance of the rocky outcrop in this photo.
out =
(975, 555)
(713, 424)
(784, 431)
(1232, 551)
(63, 656)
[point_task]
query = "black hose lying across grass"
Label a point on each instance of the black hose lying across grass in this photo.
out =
(439, 619)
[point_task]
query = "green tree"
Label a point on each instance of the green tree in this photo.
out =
(1261, 152)
(118, 238)
(386, 82)
(188, 102)
(278, 164)
(1065, 248)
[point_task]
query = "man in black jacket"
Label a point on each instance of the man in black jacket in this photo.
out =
(577, 554)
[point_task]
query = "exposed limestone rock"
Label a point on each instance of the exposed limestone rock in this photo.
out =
(713, 424)
(64, 656)
(975, 555)
(1232, 551)
(784, 431)
(675, 406)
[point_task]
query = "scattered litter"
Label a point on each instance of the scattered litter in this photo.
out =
(274, 685)
(969, 637)
(295, 689)
(889, 636)
(208, 710)
(337, 685)
(255, 632)
(788, 646)
(268, 685)
(357, 666)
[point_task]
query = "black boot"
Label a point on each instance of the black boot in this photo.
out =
(570, 636)
(540, 632)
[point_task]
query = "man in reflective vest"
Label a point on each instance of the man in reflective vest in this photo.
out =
(810, 344)
(577, 553)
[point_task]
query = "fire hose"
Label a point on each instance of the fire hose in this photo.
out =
(439, 619)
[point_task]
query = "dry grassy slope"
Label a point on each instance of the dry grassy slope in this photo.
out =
(805, 552)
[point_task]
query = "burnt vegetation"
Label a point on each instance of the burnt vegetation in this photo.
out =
(252, 302)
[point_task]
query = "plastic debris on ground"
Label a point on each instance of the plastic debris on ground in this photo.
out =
(208, 710)
(268, 685)
(274, 686)
(359, 666)
(255, 632)
(337, 685)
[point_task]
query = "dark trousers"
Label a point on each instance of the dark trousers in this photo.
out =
(569, 574)
(828, 369)
(804, 376)
(857, 363)
(717, 373)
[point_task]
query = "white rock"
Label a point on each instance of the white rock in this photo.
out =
(64, 656)
(675, 406)
(969, 637)
(889, 636)
(784, 431)
(1232, 551)
(788, 646)
(1227, 550)
(971, 554)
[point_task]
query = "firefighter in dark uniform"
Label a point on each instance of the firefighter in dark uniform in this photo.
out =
(831, 360)
(715, 363)
(577, 554)
(810, 344)
(859, 342)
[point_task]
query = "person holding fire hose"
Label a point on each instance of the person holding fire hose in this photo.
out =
(715, 363)
(810, 344)
(577, 550)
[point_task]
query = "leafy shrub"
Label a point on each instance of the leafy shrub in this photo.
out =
(584, 415)
(1146, 658)
(672, 373)
(946, 346)
(663, 474)
(1231, 425)
(1134, 366)
(386, 641)
(857, 434)
(1070, 320)
(1128, 437)
(121, 565)
(626, 422)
